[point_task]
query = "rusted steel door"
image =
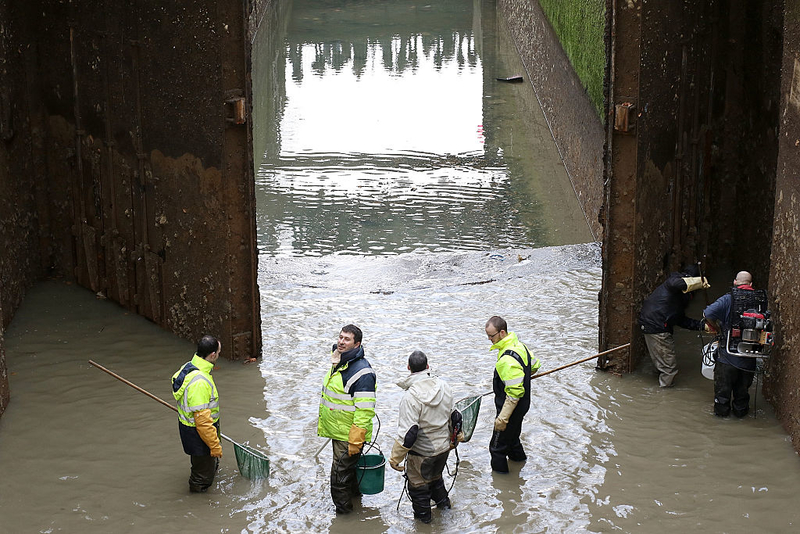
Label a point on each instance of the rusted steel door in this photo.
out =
(149, 156)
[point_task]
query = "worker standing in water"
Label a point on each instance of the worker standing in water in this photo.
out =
(198, 413)
(662, 311)
(426, 426)
(735, 368)
(346, 409)
(512, 392)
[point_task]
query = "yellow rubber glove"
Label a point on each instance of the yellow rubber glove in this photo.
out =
(208, 432)
(508, 408)
(693, 283)
(355, 440)
(398, 455)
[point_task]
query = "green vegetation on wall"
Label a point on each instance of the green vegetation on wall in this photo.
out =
(580, 26)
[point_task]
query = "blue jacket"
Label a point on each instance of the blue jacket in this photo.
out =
(720, 311)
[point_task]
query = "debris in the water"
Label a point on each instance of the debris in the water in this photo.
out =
(511, 79)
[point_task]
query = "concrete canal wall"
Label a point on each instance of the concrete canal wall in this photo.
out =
(574, 119)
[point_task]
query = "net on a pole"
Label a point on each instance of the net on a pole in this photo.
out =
(469, 408)
(252, 464)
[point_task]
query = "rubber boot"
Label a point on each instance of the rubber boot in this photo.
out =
(499, 462)
(355, 489)
(517, 453)
(721, 409)
(439, 494)
(723, 388)
(497, 449)
(202, 475)
(421, 502)
(343, 477)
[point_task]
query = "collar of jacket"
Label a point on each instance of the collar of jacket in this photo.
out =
(501, 345)
(202, 364)
(350, 356)
(409, 381)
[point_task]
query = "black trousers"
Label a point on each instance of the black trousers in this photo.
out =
(203, 470)
(506, 445)
(730, 381)
(344, 482)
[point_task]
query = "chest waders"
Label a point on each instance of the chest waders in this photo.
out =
(506, 445)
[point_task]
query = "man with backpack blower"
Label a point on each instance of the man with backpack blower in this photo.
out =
(743, 322)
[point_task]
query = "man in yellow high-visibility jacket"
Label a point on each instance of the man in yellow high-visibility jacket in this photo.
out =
(198, 413)
(512, 392)
(346, 409)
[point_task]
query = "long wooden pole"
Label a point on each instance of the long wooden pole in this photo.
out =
(539, 375)
(134, 386)
(162, 401)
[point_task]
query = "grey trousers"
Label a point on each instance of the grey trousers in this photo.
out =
(662, 351)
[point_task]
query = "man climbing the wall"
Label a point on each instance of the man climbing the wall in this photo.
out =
(198, 413)
(512, 392)
(661, 312)
(346, 409)
(426, 427)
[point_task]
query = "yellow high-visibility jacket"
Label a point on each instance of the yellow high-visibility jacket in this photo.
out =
(348, 397)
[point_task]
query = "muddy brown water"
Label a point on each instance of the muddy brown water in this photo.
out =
(417, 231)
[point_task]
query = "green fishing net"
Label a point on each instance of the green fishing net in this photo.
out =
(469, 408)
(252, 464)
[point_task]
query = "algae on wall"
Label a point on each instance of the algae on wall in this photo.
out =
(580, 26)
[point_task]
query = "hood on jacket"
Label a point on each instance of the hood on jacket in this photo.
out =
(424, 387)
(502, 344)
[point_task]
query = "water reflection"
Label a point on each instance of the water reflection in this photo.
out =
(396, 54)
(404, 192)
(418, 234)
(394, 136)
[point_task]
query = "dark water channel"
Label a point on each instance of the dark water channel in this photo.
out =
(404, 189)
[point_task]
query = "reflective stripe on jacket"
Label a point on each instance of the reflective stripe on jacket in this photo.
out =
(197, 392)
(347, 397)
(510, 370)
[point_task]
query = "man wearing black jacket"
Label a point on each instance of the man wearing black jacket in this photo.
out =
(662, 311)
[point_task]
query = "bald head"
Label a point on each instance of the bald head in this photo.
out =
(743, 278)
